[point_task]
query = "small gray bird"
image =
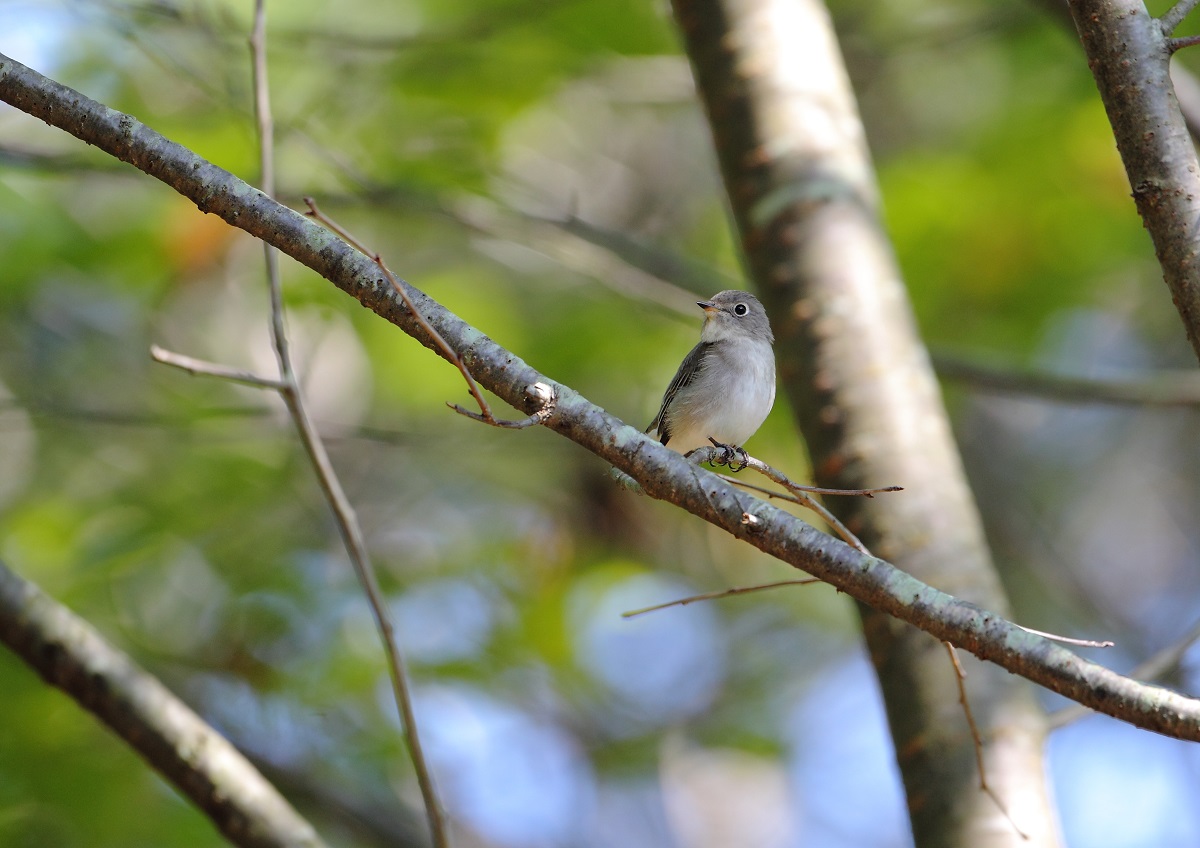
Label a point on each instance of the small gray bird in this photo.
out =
(726, 385)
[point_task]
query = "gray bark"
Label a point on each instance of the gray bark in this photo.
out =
(202, 764)
(1129, 53)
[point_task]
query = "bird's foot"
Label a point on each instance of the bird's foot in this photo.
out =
(734, 456)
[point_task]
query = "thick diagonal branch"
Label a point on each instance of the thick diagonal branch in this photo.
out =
(662, 473)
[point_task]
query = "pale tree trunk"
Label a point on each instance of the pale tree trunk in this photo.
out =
(797, 171)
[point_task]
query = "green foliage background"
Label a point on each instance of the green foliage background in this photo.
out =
(468, 142)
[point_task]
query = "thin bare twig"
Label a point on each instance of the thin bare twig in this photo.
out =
(959, 674)
(212, 369)
(720, 454)
(777, 476)
(541, 392)
(802, 498)
(798, 494)
(447, 351)
(960, 677)
(347, 521)
(721, 593)
(1175, 44)
(1067, 640)
(485, 412)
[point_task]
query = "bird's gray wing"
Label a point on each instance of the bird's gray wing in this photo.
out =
(688, 369)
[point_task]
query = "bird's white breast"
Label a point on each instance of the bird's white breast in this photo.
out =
(730, 398)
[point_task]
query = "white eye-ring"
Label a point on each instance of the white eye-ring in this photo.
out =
(741, 309)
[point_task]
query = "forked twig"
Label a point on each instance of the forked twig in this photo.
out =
(485, 411)
(721, 593)
(288, 388)
(347, 521)
(805, 500)
(719, 455)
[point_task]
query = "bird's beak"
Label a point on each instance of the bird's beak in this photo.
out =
(707, 305)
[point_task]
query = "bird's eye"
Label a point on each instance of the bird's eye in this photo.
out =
(741, 309)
